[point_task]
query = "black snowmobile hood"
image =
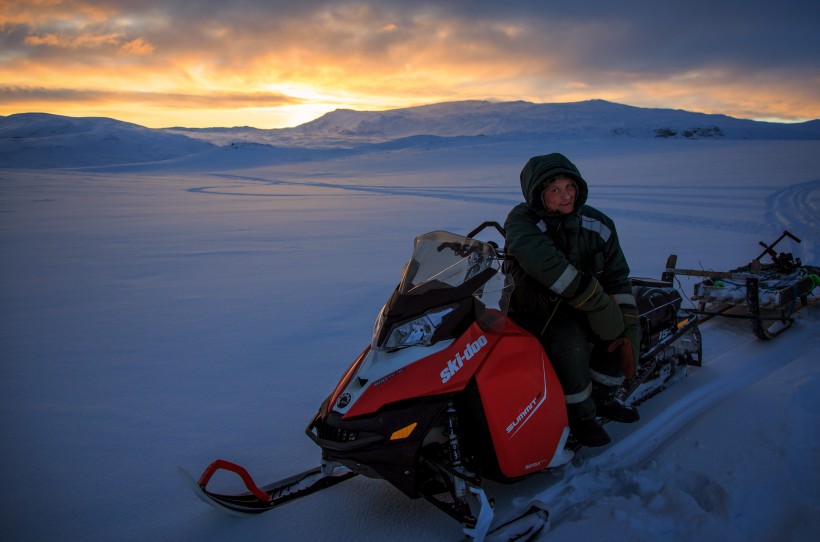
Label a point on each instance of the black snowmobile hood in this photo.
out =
(540, 168)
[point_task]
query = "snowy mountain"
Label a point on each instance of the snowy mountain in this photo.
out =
(32, 140)
(35, 140)
(594, 118)
(588, 119)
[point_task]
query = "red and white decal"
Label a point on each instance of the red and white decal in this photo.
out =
(457, 362)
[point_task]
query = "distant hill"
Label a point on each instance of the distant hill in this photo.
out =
(588, 119)
(596, 118)
(39, 140)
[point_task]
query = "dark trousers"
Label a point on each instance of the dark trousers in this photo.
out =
(583, 369)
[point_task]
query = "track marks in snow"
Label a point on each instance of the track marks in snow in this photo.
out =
(794, 207)
(641, 444)
(315, 188)
(797, 208)
(620, 471)
(714, 223)
(716, 208)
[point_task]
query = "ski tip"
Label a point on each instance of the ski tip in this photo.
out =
(203, 496)
(185, 475)
(191, 482)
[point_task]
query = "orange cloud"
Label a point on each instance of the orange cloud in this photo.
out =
(82, 41)
(308, 58)
(137, 47)
(46, 12)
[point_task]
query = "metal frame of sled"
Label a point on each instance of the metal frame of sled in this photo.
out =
(769, 293)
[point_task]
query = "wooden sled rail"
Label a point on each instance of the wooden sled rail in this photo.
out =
(670, 271)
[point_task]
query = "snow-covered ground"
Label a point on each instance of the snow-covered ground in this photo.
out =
(164, 315)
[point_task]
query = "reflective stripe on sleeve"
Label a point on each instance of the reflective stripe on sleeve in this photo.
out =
(597, 226)
(560, 286)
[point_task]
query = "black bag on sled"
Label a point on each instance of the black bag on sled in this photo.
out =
(658, 304)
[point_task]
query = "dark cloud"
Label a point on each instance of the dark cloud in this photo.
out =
(636, 36)
(211, 100)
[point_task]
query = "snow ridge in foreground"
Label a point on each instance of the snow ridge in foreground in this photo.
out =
(637, 483)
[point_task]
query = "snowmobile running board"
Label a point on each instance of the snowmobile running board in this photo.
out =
(261, 499)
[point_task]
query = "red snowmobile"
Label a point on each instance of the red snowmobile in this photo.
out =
(451, 391)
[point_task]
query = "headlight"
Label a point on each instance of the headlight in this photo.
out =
(418, 331)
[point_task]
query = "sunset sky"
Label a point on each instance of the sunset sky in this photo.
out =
(275, 63)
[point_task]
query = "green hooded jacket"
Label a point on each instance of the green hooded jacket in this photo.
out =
(551, 254)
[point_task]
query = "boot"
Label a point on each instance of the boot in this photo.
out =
(616, 411)
(590, 433)
(609, 407)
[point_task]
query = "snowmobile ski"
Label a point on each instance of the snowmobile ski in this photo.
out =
(261, 499)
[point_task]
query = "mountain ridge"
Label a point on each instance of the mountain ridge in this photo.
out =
(590, 118)
(43, 140)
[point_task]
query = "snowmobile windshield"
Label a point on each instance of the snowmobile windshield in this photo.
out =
(445, 260)
(446, 274)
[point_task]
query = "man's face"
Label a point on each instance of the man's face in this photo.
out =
(559, 196)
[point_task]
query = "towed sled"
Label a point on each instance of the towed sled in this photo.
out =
(765, 294)
(452, 392)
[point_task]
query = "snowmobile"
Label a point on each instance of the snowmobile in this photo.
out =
(451, 392)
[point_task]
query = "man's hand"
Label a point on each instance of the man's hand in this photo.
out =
(623, 347)
(603, 314)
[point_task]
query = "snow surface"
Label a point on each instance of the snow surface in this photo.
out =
(171, 313)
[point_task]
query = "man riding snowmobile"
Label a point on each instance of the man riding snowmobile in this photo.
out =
(451, 392)
(572, 291)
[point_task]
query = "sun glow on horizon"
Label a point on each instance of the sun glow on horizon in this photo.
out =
(285, 116)
(279, 64)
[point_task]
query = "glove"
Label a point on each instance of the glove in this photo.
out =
(603, 314)
(623, 348)
(632, 323)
